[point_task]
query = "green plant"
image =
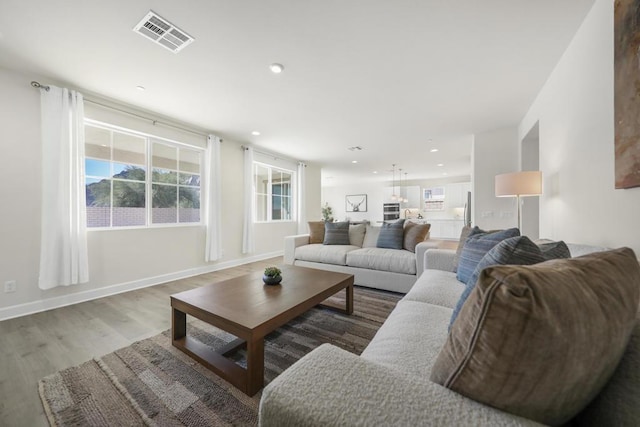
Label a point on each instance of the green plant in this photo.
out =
(327, 213)
(272, 271)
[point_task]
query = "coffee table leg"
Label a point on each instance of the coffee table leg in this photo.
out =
(178, 324)
(255, 365)
(349, 299)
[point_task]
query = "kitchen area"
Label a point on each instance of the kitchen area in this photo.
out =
(445, 204)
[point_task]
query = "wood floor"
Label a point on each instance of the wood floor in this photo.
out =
(32, 347)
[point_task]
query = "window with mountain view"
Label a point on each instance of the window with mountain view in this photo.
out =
(121, 193)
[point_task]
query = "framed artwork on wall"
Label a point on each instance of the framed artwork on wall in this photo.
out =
(356, 203)
(626, 91)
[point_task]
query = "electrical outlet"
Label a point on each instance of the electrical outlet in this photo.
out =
(10, 286)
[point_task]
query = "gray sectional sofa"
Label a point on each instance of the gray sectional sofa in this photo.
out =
(388, 269)
(388, 384)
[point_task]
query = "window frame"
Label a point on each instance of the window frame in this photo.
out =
(148, 183)
(269, 205)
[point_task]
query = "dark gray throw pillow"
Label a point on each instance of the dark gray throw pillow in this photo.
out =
(554, 250)
(476, 247)
(336, 233)
(519, 250)
(391, 235)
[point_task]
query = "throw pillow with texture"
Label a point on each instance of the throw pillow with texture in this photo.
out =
(391, 235)
(554, 250)
(414, 234)
(476, 246)
(356, 234)
(316, 231)
(541, 341)
(466, 231)
(519, 250)
(336, 233)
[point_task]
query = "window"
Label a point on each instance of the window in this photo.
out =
(273, 193)
(119, 188)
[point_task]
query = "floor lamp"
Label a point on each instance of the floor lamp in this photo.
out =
(519, 184)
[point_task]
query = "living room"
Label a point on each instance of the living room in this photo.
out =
(570, 117)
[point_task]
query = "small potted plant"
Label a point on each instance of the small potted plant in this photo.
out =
(327, 213)
(272, 276)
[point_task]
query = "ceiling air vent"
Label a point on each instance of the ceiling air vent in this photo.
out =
(163, 32)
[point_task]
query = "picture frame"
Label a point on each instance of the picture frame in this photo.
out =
(356, 203)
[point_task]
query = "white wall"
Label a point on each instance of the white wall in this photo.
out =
(575, 111)
(118, 259)
(493, 153)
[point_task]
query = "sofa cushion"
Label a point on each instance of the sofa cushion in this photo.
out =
(371, 236)
(356, 234)
(326, 254)
(402, 346)
(541, 341)
(519, 250)
(336, 233)
(391, 235)
(436, 287)
(618, 404)
(413, 234)
(316, 231)
(476, 247)
(397, 261)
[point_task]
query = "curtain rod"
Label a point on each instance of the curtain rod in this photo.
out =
(275, 156)
(153, 121)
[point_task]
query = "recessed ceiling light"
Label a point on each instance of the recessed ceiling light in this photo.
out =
(375, 171)
(255, 133)
(141, 88)
(444, 173)
(276, 68)
(434, 150)
(354, 161)
(440, 164)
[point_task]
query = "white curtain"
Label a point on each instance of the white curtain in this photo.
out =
(213, 249)
(63, 248)
(300, 190)
(248, 242)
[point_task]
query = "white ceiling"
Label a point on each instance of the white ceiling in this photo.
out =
(388, 76)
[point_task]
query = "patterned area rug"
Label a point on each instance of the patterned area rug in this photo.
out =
(152, 383)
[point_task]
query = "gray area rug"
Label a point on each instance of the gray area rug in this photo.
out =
(152, 383)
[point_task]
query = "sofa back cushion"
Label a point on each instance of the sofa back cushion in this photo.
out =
(316, 231)
(541, 341)
(476, 247)
(391, 235)
(356, 234)
(466, 230)
(413, 234)
(336, 233)
(371, 236)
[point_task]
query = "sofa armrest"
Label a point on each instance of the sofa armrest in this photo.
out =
(290, 245)
(421, 248)
(440, 259)
(332, 387)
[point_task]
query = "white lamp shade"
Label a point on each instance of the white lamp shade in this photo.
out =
(527, 183)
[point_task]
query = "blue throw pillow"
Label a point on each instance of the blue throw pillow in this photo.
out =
(476, 247)
(391, 235)
(519, 250)
(336, 233)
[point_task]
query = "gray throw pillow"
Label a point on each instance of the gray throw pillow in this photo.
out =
(356, 234)
(554, 250)
(476, 247)
(391, 235)
(336, 233)
(519, 250)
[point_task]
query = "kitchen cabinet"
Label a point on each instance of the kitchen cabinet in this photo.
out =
(456, 195)
(444, 228)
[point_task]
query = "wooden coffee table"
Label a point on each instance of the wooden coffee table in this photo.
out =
(249, 309)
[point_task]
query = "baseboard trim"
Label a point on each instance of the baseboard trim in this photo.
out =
(33, 307)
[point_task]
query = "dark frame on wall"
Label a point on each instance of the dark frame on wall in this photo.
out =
(356, 203)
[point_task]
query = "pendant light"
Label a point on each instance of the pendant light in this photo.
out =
(406, 200)
(394, 196)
